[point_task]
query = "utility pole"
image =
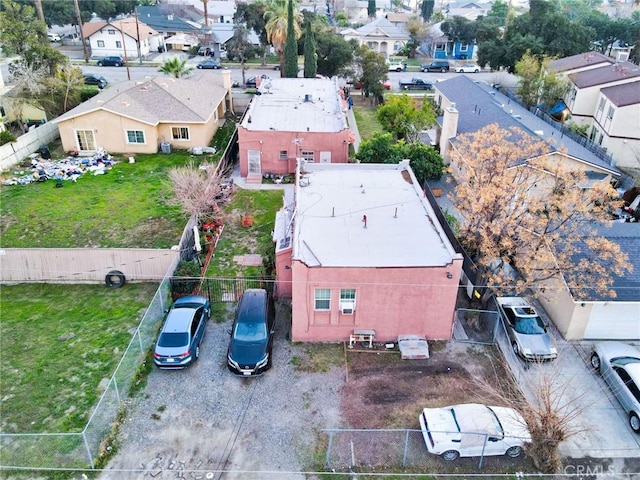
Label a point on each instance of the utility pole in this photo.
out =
(135, 12)
(79, 20)
(124, 47)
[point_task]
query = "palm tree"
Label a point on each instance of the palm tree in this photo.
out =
(176, 67)
(239, 46)
(276, 26)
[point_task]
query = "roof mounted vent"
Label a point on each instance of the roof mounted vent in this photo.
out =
(308, 97)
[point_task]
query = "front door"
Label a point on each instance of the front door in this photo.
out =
(254, 162)
(86, 140)
(325, 157)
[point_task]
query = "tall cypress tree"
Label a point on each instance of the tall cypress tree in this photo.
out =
(371, 8)
(310, 55)
(290, 46)
(427, 9)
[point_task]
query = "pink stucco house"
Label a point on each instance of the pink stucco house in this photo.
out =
(358, 247)
(292, 118)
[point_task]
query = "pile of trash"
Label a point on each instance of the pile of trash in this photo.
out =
(68, 168)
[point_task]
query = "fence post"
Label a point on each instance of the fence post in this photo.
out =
(326, 459)
(86, 446)
(484, 445)
(406, 446)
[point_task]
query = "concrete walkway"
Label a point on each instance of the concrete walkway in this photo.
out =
(351, 120)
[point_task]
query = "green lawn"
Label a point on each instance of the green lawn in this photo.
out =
(238, 240)
(58, 343)
(128, 207)
(366, 118)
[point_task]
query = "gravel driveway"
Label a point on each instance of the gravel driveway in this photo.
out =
(204, 422)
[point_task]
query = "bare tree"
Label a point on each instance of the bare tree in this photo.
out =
(197, 190)
(30, 85)
(521, 205)
(550, 405)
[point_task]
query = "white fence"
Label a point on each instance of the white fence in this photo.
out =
(13, 152)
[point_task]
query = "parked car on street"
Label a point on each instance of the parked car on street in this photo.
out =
(94, 79)
(529, 335)
(619, 365)
(468, 68)
(179, 341)
(53, 37)
(415, 84)
(386, 84)
(209, 64)
(437, 66)
(395, 66)
(472, 430)
(249, 352)
(111, 62)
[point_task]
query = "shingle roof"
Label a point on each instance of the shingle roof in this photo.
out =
(480, 105)
(627, 288)
(126, 25)
(623, 95)
(159, 99)
(156, 17)
(579, 61)
(385, 27)
(606, 74)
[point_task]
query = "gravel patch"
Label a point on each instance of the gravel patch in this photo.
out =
(204, 422)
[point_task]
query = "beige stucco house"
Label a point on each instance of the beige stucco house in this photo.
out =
(140, 116)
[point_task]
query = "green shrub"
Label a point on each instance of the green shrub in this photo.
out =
(186, 277)
(89, 91)
(6, 136)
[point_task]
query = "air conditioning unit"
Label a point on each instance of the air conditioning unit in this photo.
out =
(347, 308)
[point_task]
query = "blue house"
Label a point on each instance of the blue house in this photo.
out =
(437, 45)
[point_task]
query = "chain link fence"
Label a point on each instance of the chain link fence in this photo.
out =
(77, 450)
(371, 450)
(476, 326)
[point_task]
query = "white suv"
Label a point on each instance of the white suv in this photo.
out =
(53, 37)
(396, 66)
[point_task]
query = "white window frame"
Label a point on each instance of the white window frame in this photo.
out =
(101, 43)
(322, 295)
(347, 301)
(307, 155)
(611, 112)
(118, 44)
(284, 155)
(137, 134)
(178, 133)
(89, 142)
(464, 47)
(601, 104)
(111, 31)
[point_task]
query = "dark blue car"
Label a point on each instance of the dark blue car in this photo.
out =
(179, 341)
(251, 342)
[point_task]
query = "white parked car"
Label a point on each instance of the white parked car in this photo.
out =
(473, 430)
(468, 68)
(53, 37)
(395, 66)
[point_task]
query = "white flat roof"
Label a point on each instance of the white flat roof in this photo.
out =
(296, 105)
(401, 228)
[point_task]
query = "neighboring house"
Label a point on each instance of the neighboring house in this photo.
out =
(616, 123)
(399, 19)
(468, 106)
(584, 92)
(360, 248)
(578, 63)
(121, 37)
(181, 42)
(605, 96)
(358, 10)
(164, 20)
(469, 10)
(586, 315)
(14, 109)
(218, 34)
(217, 11)
(380, 36)
(438, 45)
(140, 116)
(292, 118)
